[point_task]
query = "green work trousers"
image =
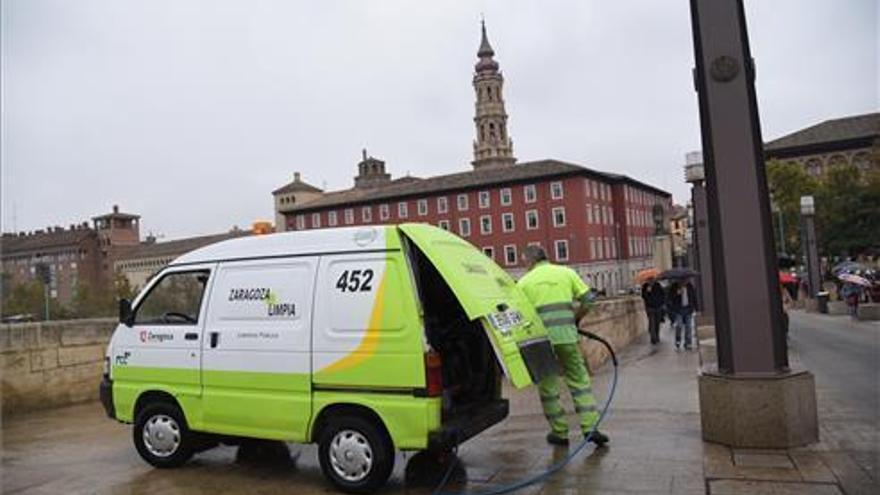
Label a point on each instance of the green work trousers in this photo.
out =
(579, 386)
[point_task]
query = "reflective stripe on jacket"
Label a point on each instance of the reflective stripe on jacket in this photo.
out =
(552, 290)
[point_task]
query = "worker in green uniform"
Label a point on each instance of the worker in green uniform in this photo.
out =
(553, 290)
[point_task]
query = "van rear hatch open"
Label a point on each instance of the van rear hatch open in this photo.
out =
(489, 295)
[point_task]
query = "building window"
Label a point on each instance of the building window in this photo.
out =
(596, 214)
(367, 213)
(507, 223)
(422, 207)
(587, 187)
(484, 199)
(383, 212)
(589, 214)
(559, 216)
(556, 190)
(464, 227)
(316, 220)
(489, 251)
(331, 219)
(592, 248)
(300, 222)
(532, 220)
(462, 200)
(530, 193)
(561, 250)
(506, 197)
(401, 209)
(610, 216)
(510, 254)
(443, 224)
(442, 205)
(595, 189)
(485, 224)
(349, 216)
(614, 247)
(607, 242)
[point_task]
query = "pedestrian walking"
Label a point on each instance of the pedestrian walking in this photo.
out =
(852, 293)
(553, 289)
(680, 304)
(654, 299)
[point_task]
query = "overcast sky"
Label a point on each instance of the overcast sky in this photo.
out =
(190, 113)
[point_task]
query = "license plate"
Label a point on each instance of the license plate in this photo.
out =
(505, 320)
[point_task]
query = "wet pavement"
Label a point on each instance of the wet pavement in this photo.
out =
(653, 423)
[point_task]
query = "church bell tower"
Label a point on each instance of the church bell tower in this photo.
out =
(493, 146)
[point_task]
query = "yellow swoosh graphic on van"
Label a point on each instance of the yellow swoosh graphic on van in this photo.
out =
(370, 341)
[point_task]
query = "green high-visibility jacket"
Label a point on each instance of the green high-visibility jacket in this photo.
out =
(552, 289)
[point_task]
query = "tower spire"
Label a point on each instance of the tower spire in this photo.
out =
(492, 147)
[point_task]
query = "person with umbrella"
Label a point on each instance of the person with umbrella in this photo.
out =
(681, 302)
(654, 299)
(852, 291)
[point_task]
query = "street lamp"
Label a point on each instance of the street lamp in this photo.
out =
(808, 212)
(695, 174)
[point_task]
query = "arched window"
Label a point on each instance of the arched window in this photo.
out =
(862, 160)
(814, 167)
(489, 93)
(836, 161)
(492, 131)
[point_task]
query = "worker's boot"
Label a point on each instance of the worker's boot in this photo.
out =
(553, 439)
(598, 438)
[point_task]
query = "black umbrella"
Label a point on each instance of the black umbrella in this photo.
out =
(677, 274)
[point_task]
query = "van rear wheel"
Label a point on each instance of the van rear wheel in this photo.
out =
(161, 436)
(356, 454)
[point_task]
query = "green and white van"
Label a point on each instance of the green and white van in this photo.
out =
(363, 340)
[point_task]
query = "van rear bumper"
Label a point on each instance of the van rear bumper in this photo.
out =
(467, 423)
(105, 393)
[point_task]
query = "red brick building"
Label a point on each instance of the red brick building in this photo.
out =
(599, 223)
(81, 255)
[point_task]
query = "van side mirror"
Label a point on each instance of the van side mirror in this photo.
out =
(126, 316)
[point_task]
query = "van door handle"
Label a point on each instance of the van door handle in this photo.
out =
(215, 339)
(191, 336)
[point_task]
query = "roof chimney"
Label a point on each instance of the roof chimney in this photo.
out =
(364, 153)
(115, 208)
(296, 177)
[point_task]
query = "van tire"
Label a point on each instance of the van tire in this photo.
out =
(166, 421)
(368, 439)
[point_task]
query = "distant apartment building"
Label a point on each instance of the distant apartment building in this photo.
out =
(853, 140)
(80, 254)
(599, 223)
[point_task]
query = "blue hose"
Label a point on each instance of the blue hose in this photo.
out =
(541, 477)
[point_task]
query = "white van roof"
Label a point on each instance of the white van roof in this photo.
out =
(319, 241)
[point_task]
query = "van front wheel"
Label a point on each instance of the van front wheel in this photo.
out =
(162, 437)
(356, 455)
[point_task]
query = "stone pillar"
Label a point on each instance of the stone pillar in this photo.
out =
(740, 396)
(662, 252)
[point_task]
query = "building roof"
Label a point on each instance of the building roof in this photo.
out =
(116, 214)
(44, 240)
(522, 172)
(174, 248)
(851, 129)
(298, 185)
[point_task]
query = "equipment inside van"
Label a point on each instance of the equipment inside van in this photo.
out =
(363, 340)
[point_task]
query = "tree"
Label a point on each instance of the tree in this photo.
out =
(848, 212)
(788, 181)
